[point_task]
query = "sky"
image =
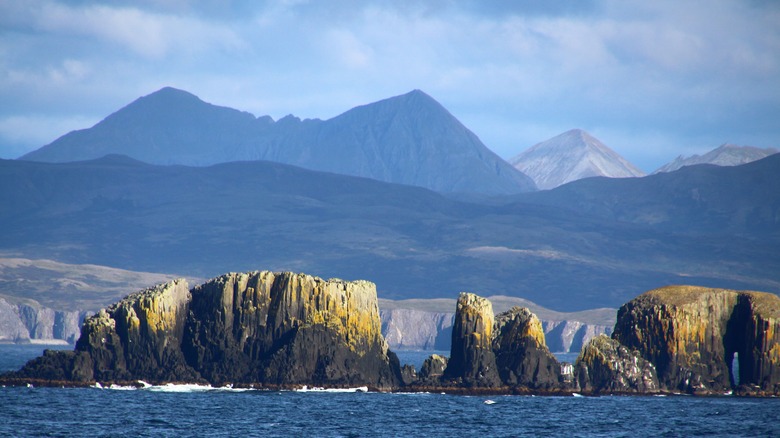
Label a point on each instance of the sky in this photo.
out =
(650, 79)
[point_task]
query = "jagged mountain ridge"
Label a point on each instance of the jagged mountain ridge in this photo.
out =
(408, 139)
(724, 155)
(570, 156)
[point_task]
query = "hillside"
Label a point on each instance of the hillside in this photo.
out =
(592, 243)
(408, 139)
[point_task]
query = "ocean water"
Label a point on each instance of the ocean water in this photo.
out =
(202, 411)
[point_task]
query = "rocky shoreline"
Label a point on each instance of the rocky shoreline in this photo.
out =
(284, 331)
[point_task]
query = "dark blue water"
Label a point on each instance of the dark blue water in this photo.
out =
(201, 412)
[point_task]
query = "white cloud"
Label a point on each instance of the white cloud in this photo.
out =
(658, 73)
(148, 34)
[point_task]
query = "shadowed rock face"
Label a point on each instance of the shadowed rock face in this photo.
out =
(287, 329)
(472, 361)
(692, 333)
(604, 365)
(257, 327)
(522, 357)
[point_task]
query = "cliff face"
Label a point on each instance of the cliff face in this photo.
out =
(472, 361)
(257, 327)
(522, 357)
(287, 329)
(692, 335)
(140, 336)
(28, 321)
(606, 366)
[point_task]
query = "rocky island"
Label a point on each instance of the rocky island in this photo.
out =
(285, 330)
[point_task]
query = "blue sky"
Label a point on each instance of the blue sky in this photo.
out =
(652, 80)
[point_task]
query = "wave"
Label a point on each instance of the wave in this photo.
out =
(172, 387)
(319, 389)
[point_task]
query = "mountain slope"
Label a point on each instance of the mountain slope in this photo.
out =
(570, 156)
(584, 245)
(723, 155)
(409, 139)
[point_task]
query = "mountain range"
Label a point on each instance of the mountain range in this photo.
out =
(571, 156)
(408, 139)
(595, 242)
(723, 155)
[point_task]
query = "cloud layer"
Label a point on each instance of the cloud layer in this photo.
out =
(650, 79)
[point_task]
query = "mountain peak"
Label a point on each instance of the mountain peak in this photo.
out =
(726, 154)
(572, 155)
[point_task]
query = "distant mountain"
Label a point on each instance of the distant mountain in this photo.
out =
(723, 155)
(409, 139)
(592, 243)
(570, 156)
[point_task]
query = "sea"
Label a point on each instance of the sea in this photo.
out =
(190, 410)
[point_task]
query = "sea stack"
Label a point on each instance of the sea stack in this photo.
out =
(264, 328)
(472, 361)
(522, 356)
(692, 335)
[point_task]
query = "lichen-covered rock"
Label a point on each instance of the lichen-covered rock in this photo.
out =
(140, 336)
(288, 329)
(605, 366)
(259, 327)
(692, 333)
(472, 362)
(521, 354)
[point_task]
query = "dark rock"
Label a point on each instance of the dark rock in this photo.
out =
(521, 354)
(692, 335)
(472, 362)
(433, 368)
(273, 329)
(605, 366)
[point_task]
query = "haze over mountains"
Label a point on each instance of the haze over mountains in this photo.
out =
(724, 155)
(409, 139)
(570, 156)
(592, 243)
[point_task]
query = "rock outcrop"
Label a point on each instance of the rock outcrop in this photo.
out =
(433, 368)
(416, 329)
(287, 329)
(606, 366)
(692, 335)
(277, 330)
(522, 357)
(472, 362)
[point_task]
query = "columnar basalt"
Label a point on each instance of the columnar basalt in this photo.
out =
(522, 357)
(259, 327)
(691, 334)
(472, 361)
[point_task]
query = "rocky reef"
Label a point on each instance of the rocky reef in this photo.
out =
(284, 330)
(503, 353)
(606, 366)
(274, 330)
(693, 334)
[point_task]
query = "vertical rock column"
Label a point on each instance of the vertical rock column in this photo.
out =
(472, 361)
(522, 356)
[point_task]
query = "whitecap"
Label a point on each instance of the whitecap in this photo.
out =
(305, 388)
